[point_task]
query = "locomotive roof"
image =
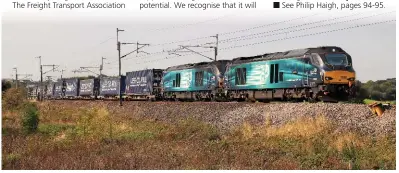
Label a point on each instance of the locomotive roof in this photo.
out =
(289, 54)
(195, 65)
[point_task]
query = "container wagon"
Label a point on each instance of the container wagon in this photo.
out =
(89, 88)
(109, 87)
(49, 91)
(144, 85)
(32, 91)
(71, 88)
(59, 90)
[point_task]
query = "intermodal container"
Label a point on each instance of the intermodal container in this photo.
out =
(71, 87)
(109, 86)
(140, 82)
(89, 87)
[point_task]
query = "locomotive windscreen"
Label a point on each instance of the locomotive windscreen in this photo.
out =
(337, 59)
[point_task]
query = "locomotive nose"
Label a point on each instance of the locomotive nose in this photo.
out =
(339, 77)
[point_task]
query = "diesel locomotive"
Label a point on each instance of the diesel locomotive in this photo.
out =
(199, 81)
(321, 73)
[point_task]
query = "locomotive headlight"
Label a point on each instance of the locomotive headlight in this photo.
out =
(328, 78)
(351, 79)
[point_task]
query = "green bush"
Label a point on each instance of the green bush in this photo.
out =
(14, 99)
(30, 118)
(377, 90)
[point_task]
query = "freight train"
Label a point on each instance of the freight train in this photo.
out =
(321, 73)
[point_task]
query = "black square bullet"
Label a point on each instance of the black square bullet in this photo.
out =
(276, 4)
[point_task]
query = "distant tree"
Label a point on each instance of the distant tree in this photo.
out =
(378, 90)
(5, 85)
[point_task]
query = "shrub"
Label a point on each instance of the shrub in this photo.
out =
(14, 98)
(94, 123)
(30, 118)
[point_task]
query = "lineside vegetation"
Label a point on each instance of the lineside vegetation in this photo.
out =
(95, 137)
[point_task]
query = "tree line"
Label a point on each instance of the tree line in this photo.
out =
(377, 90)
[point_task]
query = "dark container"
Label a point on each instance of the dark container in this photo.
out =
(109, 86)
(143, 82)
(71, 87)
(50, 89)
(58, 89)
(41, 89)
(89, 87)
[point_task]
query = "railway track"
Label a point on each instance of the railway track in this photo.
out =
(228, 115)
(200, 102)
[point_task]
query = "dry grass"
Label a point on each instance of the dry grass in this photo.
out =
(73, 137)
(302, 128)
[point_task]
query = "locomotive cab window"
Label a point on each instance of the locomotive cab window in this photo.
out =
(337, 59)
(241, 76)
(199, 78)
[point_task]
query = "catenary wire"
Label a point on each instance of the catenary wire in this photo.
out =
(230, 40)
(281, 39)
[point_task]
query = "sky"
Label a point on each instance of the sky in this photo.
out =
(79, 38)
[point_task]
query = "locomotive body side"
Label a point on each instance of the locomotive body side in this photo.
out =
(285, 73)
(199, 81)
(269, 79)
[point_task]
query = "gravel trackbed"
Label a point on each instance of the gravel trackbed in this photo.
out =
(230, 115)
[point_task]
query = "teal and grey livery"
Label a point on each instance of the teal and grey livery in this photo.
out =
(199, 81)
(286, 73)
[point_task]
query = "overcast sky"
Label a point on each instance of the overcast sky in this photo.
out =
(77, 40)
